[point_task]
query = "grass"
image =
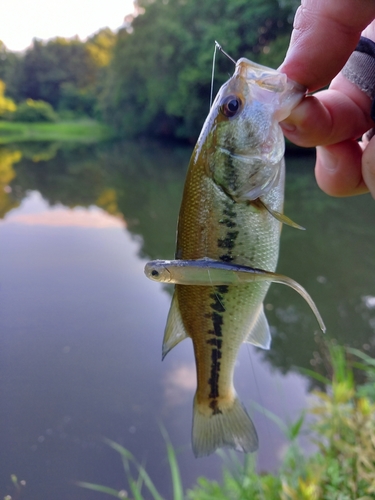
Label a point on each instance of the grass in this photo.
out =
(84, 131)
(343, 468)
(143, 480)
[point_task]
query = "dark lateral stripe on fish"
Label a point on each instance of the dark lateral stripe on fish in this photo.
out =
(217, 305)
(227, 222)
(230, 174)
(228, 210)
(226, 258)
(215, 373)
(214, 405)
(213, 381)
(229, 241)
(217, 322)
(216, 343)
(229, 218)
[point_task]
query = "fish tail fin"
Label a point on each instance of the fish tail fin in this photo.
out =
(226, 426)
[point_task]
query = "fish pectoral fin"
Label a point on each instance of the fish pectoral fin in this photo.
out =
(279, 216)
(260, 334)
(174, 331)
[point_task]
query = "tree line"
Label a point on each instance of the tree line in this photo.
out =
(153, 76)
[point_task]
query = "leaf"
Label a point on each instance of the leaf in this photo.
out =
(178, 493)
(356, 352)
(148, 483)
(123, 451)
(272, 416)
(99, 488)
(316, 376)
(294, 429)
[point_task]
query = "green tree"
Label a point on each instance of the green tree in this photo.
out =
(100, 47)
(10, 64)
(48, 65)
(159, 78)
(65, 72)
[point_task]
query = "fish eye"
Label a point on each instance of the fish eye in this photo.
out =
(230, 106)
(154, 272)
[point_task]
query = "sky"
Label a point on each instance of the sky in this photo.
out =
(23, 20)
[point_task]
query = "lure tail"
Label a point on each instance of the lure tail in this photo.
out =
(230, 426)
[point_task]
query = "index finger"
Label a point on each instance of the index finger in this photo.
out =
(325, 33)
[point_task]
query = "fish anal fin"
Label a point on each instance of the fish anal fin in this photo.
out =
(260, 334)
(174, 331)
(229, 426)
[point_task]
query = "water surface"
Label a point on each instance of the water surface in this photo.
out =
(81, 327)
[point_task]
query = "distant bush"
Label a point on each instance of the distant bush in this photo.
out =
(34, 111)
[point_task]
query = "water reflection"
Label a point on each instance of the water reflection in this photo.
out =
(81, 328)
(60, 216)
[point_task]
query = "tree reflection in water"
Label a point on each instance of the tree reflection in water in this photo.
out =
(142, 182)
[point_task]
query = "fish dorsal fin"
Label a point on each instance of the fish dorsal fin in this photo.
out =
(260, 334)
(174, 331)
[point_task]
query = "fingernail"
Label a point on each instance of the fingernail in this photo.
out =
(326, 159)
(288, 127)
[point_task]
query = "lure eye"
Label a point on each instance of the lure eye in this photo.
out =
(230, 106)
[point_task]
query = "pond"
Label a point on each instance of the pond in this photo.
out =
(81, 327)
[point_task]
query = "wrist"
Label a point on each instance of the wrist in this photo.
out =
(360, 69)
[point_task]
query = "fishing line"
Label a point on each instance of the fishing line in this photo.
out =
(261, 405)
(217, 47)
(223, 51)
(214, 289)
(213, 73)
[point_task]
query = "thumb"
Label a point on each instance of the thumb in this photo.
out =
(368, 165)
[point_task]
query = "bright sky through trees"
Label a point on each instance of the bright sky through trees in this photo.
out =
(23, 20)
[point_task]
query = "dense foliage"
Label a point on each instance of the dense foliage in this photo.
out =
(34, 111)
(64, 73)
(159, 78)
(152, 77)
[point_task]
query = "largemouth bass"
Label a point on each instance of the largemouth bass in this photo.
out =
(231, 213)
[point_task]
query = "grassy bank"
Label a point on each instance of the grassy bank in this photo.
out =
(343, 468)
(85, 131)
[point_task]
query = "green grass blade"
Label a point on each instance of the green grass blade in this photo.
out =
(143, 477)
(316, 376)
(120, 449)
(269, 414)
(356, 352)
(99, 488)
(148, 483)
(135, 489)
(363, 366)
(178, 493)
(295, 428)
(341, 371)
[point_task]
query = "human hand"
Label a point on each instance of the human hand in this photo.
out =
(325, 34)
